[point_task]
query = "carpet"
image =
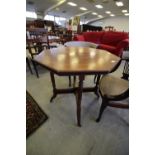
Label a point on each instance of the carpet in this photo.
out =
(34, 115)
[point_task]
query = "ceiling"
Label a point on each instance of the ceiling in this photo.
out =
(62, 9)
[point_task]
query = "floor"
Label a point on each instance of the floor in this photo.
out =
(59, 135)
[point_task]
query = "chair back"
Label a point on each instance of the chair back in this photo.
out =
(37, 36)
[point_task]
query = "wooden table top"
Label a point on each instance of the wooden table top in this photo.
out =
(77, 60)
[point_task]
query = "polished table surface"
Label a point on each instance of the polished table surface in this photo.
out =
(77, 60)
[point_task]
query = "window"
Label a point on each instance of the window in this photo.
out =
(31, 14)
(58, 20)
(49, 17)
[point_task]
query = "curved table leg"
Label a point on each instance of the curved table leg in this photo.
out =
(54, 96)
(54, 86)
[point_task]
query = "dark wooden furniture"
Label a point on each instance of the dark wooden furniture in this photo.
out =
(109, 28)
(80, 61)
(86, 27)
(28, 64)
(37, 39)
(113, 89)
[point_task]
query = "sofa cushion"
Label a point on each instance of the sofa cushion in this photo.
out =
(113, 38)
(94, 37)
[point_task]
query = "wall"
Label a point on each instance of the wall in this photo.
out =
(120, 23)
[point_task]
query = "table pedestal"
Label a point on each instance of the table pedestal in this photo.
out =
(77, 91)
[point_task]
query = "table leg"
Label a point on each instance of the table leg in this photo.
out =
(70, 81)
(54, 86)
(96, 87)
(78, 99)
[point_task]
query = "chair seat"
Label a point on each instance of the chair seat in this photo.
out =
(81, 44)
(111, 85)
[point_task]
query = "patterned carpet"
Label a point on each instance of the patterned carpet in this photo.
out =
(34, 115)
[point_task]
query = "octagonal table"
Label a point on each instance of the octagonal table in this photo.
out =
(78, 61)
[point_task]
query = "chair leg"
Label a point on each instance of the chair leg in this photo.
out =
(35, 68)
(69, 81)
(95, 77)
(102, 108)
(28, 64)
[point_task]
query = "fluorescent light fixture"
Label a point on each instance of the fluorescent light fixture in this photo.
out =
(119, 3)
(108, 12)
(82, 8)
(94, 13)
(112, 15)
(99, 6)
(31, 15)
(72, 4)
(100, 16)
(126, 14)
(124, 11)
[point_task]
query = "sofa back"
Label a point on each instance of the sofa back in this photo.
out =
(94, 37)
(113, 38)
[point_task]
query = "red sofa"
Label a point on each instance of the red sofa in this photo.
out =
(112, 41)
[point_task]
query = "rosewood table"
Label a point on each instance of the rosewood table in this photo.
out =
(79, 61)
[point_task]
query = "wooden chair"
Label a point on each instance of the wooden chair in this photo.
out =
(113, 88)
(36, 40)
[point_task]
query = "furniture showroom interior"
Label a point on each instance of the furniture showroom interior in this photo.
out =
(77, 77)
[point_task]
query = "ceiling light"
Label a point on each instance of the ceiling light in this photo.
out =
(94, 13)
(112, 15)
(126, 14)
(108, 12)
(119, 3)
(82, 8)
(100, 16)
(72, 4)
(99, 6)
(124, 11)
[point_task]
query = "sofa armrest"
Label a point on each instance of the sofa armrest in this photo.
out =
(123, 44)
(111, 49)
(78, 38)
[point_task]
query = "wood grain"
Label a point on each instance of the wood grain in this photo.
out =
(66, 60)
